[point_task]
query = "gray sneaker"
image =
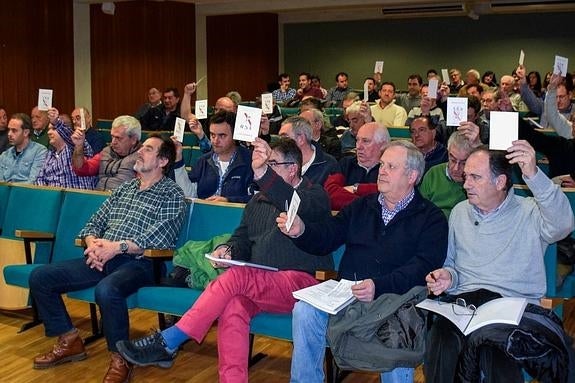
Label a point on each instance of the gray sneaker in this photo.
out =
(147, 351)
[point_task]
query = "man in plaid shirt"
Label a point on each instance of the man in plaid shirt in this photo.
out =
(57, 169)
(146, 212)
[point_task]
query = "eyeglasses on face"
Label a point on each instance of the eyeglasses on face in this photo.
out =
(273, 164)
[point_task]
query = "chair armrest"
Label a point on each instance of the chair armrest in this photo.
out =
(551, 303)
(31, 234)
(159, 253)
(324, 275)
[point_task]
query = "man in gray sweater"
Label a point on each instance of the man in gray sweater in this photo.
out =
(496, 246)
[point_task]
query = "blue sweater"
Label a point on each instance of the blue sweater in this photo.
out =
(237, 180)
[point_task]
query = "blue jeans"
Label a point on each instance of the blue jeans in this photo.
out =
(309, 328)
(122, 276)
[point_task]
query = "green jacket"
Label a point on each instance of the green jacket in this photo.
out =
(192, 256)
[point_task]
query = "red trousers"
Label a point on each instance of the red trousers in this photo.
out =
(234, 298)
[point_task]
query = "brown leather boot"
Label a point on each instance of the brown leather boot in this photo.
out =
(69, 348)
(119, 371)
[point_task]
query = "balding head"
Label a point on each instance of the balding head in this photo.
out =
(370, 141)
(225, 103)
(507, 83)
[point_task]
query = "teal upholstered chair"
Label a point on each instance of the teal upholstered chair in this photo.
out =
(76, 207)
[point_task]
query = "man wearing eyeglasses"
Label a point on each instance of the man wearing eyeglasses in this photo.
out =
(443, 183)
(242, 292)
(496, 246)
(392, 239)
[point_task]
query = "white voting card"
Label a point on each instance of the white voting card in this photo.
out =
(432, 88)
(82, 120)
(445, 75)
(503, 129)
(267, 103)
(201, 109)
(292, 210)
(456, 110)
(200, 80)
(179, 128)
(366, 90)
(247, 123)
(521, 57)
(560, 66)
(44, 99)
(378, 68)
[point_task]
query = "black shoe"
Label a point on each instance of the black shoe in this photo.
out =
(148, 351)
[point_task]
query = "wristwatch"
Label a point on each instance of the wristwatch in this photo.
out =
(354, 188)
(123, 247)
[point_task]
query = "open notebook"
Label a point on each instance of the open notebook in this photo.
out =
(500, 310)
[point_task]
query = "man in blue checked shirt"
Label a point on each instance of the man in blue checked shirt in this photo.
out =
(146, 212)
(57, 169)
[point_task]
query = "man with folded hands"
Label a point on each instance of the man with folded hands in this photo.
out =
(241, 292)
(392, 240)
(497, 241)
(144, 213)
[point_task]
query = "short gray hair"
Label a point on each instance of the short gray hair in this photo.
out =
(132, 125)
(300, 126)
(415, 160)
(460, 141)
(353, 108)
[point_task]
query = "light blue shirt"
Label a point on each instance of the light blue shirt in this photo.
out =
(22, 167)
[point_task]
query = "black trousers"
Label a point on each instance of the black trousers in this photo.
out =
(445, 343)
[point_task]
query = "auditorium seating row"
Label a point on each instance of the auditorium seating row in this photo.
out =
(50, 219)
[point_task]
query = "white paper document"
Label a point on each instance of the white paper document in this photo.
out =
(500, 310)
(247, 123)
(560, 66)
(83, 126)
(445, 75)
(233, 262)
(45, 99)
(179, 128)
(503, 129)
(329, 296)
(432, 88)
(267, 103)
(292, 210)
(456, 110)
(201, 109)
(378, 68)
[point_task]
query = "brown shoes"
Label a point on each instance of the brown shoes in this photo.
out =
(119, 371)
(69, 348)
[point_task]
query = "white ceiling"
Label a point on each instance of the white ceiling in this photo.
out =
(334, 10)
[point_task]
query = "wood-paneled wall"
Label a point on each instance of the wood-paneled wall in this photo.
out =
(36, 51)
(145, 44)
(242, 54)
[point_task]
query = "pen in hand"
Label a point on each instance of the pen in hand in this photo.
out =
(228, 251)
(355, 278)
(433, 277)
